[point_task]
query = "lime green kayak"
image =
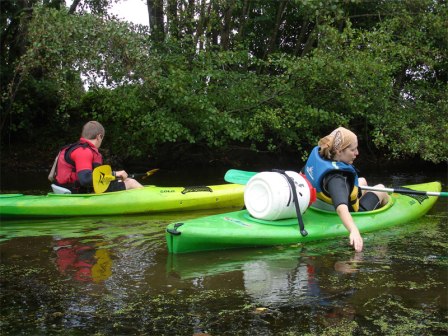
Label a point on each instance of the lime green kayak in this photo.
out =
(239, 229)
(145, 200)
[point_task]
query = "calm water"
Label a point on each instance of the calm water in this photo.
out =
(113, 276)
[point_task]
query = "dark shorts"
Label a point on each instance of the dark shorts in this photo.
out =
(369, 202)
(116, 186)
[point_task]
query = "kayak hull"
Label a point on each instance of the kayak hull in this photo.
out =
(238, 229)
(150, 199)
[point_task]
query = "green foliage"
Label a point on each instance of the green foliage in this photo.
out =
(284, 75)
(414, 123)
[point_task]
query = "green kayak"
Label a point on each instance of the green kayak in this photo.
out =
(239, 229)
(144, 200)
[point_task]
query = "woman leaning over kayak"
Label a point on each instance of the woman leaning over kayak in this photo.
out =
(330, 170)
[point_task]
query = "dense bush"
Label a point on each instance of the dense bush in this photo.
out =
(271, 76)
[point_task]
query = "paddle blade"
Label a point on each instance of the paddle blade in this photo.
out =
(102, 176)
(149, 173)
(238, 176)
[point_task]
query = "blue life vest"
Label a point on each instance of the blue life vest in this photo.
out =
(317, 168)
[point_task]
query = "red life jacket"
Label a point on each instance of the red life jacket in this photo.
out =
(66, 171)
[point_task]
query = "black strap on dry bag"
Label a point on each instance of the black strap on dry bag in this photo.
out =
(303, 232)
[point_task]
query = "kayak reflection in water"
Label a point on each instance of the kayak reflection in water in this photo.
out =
(83, 262)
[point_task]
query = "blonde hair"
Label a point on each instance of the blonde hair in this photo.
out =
(91, 129)
(338, 140)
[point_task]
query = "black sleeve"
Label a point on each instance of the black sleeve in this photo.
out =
(85, 177)
(339, 189)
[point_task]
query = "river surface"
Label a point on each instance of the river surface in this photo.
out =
(114, 276)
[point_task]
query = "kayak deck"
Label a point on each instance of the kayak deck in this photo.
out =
(149, 199)
(239, 229)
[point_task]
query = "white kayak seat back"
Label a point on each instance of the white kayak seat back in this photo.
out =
(60, 190)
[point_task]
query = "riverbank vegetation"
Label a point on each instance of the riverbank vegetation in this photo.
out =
(209, 76)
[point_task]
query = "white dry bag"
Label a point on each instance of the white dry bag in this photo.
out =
(268, 195)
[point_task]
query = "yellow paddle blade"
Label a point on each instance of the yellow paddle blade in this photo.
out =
(149, 173)
(102, 176)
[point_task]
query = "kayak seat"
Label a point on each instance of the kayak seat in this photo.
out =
(319, 204)
(60, 190)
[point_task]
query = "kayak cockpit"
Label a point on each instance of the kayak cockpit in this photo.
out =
(293, 221)
(385, 207)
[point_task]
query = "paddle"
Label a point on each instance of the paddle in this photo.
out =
(242, 177)
(144, 175)
(102, 176)
(406, 191)
(238, 176)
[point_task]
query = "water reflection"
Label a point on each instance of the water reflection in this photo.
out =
(109, 227)
(270, 276)
(349, 266)
(271, 281)
(314, 275)
(83, 262)
(48, 274)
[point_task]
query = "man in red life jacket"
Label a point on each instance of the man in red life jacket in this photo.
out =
(75, 163)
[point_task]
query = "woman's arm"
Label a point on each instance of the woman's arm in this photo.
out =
(347, 219)
(339, 190)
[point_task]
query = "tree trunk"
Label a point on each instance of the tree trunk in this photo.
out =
(226, 27)
(190, 19)
(150, 6)
(213, 31)
(172, 19)
(155, 15)
(278, 20)
(310, 42)
(244, 14)
(73, 7)
(300, 42)
(199, 41)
